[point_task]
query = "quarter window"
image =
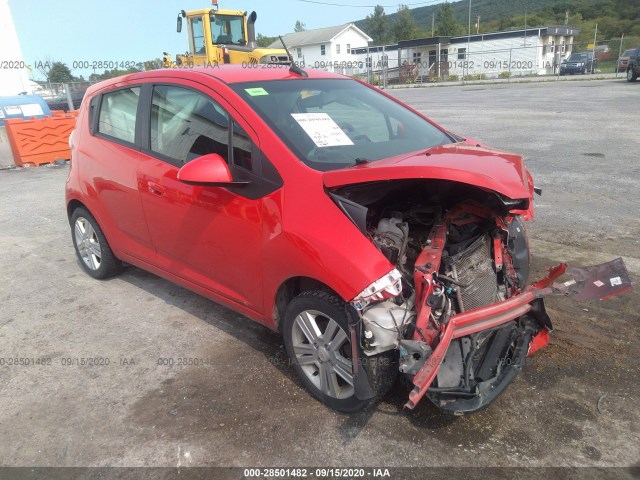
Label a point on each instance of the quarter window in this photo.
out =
(186, 124)
(118, 114)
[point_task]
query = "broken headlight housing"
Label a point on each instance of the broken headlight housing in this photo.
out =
(388, 286)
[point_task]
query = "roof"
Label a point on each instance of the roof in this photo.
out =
(225, 73)
(476, 37)
(318, 35)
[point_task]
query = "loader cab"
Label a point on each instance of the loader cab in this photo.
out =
(228, 29)
(210, 28)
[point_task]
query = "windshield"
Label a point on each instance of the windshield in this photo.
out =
(227, 29)
(336, 123)
(579, 57)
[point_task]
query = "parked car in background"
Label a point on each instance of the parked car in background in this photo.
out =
(633, 65)
(581, 62)
(623, 60)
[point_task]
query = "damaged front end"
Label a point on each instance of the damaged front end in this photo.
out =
(457, 306)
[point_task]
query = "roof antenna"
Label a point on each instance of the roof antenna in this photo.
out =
(293, 68)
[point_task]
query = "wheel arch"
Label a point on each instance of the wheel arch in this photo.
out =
(291, 288)
(73, 205)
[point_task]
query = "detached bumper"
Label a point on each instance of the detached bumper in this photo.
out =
(590, 283)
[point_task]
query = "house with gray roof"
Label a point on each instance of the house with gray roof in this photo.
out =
(329, 48)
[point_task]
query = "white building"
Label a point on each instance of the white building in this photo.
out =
(13, 71)
(534, 51)
(330, 48)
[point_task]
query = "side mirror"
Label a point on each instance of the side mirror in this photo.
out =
(179, 24)
(210, 169)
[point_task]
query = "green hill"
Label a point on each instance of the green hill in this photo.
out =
(614, 17)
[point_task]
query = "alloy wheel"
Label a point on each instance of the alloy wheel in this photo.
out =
(87, 243)
(323, 352)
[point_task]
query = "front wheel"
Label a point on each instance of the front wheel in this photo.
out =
(631, 75)
(316, 336)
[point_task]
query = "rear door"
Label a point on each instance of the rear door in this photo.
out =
(211, 236)
(108, 163)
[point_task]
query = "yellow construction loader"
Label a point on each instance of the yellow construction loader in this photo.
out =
(217, 36)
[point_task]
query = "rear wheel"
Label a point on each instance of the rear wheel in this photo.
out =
(631, 75)
(316, 336)
(94, 253)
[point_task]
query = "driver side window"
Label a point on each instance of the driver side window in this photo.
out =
(186, 124)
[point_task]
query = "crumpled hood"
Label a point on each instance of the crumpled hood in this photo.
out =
(460, 162)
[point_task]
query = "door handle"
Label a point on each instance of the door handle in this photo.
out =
(155, 188)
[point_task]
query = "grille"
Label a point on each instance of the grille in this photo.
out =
(474, 267)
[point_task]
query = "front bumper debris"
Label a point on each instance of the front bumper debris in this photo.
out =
(590, 283)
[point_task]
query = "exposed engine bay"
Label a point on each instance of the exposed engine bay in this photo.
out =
(457, 308)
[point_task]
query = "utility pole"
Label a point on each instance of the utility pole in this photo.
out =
(595, 39)
(525, 25)
(478, 24)
(433, 25)
(466, 57)
(619, 53)
(566, 17)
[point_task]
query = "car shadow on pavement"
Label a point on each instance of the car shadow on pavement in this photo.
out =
(258, 337)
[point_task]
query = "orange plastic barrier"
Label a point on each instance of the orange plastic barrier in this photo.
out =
(62, 113)
(40, 140)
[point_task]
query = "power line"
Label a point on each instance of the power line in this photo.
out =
(317, 2)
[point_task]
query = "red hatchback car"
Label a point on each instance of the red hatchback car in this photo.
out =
(375, 241)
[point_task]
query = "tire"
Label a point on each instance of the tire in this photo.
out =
(324, 364)
(93, 251)
(631, 75)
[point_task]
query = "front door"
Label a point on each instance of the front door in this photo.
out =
(211, 236)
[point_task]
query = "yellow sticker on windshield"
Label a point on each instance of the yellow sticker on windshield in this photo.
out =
(256, 92)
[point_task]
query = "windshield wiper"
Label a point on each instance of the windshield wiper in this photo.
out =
(361, 161)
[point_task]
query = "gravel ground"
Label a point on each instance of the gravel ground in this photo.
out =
(244, 407)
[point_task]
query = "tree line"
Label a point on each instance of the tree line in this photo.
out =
(613, 17)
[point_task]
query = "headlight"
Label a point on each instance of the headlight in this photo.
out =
(386, 287)
(581, 64)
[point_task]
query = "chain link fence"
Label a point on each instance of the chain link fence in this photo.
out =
(467, 61)
(62, 96)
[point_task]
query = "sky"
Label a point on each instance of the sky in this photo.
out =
(137, 30)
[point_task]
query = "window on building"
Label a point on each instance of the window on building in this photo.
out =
(337, 48)
(299, 50)
(118, 114)
(417, 58)
(348, 48)
(322, 50)
(462, 53)
(186, 124)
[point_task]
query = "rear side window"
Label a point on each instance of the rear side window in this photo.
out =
(118, 114)
(186, 124)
